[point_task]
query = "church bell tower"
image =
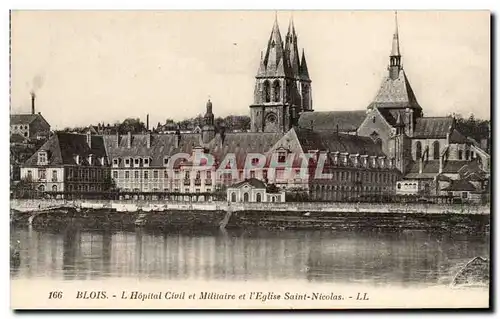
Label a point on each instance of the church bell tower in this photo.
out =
(282, 84)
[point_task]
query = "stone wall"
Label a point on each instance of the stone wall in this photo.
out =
(29, 205)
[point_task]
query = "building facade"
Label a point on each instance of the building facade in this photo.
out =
(69, 162)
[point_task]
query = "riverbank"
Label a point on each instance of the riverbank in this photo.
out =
(37, 205)
(214, 215)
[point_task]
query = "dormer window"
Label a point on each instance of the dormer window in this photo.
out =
(91, 159)
(146, 162)
(281, 156)
(127, 162)
(42, 158)
(77, 159)
(165, 161)
(137, 162)
(103, 161)
(116, 161)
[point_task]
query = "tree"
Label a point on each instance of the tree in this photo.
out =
(475, 128)
(25, 188)
(135, 126)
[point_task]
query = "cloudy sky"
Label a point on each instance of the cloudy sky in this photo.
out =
(90, 66)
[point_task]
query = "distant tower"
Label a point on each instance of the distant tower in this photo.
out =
(208, 130)
(281, 85)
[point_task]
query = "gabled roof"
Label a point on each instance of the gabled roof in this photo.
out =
(337, 142)
(253, 182)
(347, 121)
(62, 148)
(395, 93)
(432, 127)
(20, 119)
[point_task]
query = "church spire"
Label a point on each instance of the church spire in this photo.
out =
(274, 52)
(395, 57)
(304, 72)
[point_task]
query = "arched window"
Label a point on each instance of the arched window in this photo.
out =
(467, 153)
(245, 197)
(233, 197)
(54, 188)
(258, 198)
(418, 152)
(267, 91)
(277, 91)
(41, 188)
(435, 147)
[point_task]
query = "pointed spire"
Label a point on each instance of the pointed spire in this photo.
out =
(395, 38)
(304, 72)
(275, 51)
(292, 49)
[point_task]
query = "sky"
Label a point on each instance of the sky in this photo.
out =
(104, 66)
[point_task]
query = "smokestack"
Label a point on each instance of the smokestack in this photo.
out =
(129, 139)
(147, 122)
(32, 102)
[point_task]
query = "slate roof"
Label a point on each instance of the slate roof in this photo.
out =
(18, 138)
(347, 121)
(460, 186)
(16, 119)
(432, 167)
(432, 127)
(395, 93)
(25, 119)
(62, 148)
(164, 145)
(343, 143)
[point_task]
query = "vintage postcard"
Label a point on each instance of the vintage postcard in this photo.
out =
(250, 159)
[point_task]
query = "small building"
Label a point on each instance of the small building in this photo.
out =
(464, 190)
(32, 126)
(254, 190)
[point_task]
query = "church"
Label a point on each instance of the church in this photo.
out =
(383, 149)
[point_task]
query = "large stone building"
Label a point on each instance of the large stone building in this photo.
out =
(69, 162)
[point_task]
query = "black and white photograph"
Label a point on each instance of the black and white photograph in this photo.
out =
(265, 159)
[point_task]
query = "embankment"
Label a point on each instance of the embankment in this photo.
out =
(96, 214)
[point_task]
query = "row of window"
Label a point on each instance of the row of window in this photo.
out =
(165, 190)
(85, 188)
(137, 162)
(42, 175)
(21, 127)
(469, 155)
(86, 174)
(156, 174)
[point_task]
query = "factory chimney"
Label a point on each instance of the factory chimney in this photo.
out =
(32, 102)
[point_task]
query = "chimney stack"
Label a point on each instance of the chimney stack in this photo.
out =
(177, 137)
(89, 139)
(32, 102)
(147, 122)
(129, 139)
(148, 141)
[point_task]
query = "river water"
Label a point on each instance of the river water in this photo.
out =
(409, 258)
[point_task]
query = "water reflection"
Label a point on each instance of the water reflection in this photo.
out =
(375, 258)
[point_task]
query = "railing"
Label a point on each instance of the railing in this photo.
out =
(187, 181)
